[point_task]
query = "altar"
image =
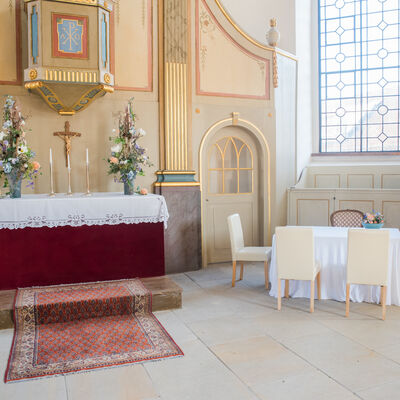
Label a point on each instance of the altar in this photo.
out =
(69, 239)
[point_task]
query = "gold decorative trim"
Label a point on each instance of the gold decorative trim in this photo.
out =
(33, 85)
(107, 89)
(175, 172)
(297, 208)
(33, 74)
(107, 78)
(176, 184)
(235, 118)
(249, 38)
(95, 3)
(317, 175)
(371, 175)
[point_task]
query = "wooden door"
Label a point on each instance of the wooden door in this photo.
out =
(230, 186)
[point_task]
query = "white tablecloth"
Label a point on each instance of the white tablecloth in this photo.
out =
(330, 246)
(36, 211)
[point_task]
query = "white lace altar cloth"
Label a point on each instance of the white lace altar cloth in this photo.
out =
(36, 211)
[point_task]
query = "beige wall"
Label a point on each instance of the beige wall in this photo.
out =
(253, 17)
(97, 121)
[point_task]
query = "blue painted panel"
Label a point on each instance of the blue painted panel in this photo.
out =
(104, 55)
(70, 36)
(34, 34)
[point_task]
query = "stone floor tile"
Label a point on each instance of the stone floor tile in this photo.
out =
(130, 382)
(310, 386)
(388, 391)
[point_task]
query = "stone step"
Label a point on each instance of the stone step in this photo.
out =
(166, 295)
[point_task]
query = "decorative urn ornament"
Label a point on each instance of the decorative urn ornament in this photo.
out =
(273, 34)
(68, 52)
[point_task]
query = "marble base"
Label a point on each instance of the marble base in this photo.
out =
(182, 239)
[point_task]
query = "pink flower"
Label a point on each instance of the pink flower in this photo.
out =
(143, 191)
(113, 160)
(35, 165)
(370, 217)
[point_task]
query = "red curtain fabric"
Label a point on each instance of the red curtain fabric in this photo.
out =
(52, 256)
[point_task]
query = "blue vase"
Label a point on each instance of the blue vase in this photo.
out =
(372, 226)
(14, 184)
(129, 186)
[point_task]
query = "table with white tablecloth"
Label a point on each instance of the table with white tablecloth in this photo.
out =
(69, 239)
(330, 247)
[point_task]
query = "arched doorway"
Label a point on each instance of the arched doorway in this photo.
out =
(234, 170)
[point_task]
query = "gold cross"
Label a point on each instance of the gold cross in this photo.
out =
(67, 135)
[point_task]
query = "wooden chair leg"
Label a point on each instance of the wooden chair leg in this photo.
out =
(383, 290)
(312, 295)
(279, 295)
(233, 273)
(287, 288)
(319, 285)
(266, 275)
(347, 299)
(241, 270)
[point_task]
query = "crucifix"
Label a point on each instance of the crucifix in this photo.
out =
(67, 135)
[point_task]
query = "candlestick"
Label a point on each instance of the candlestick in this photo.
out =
(69, 193)
(87, 180)
(52, 194)
(87, 156)
(68, 162)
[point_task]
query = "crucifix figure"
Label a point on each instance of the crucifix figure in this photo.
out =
(67, 135)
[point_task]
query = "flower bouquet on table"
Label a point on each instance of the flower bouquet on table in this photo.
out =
(374, 220)
(128, 158)
(16, 158)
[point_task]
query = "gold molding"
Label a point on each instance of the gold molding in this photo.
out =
(175, 172)
(359, 201)
(297, 208)
(235, 117)
(371, 175)
(33, 85)
(158, 184)
(382, 178)
(249, 38)
(315, 180)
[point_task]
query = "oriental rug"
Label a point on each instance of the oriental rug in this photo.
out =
(71, 328)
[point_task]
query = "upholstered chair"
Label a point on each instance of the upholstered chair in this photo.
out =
(368, 261)
(241, 253)
(295, 259)
(347, 218)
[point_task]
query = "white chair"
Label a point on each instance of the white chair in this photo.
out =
(368, 261)
(295, 259)
(241, 253)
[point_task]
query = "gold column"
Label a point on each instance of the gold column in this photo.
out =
(175, 91)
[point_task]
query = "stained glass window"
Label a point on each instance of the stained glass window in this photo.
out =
(359, 58)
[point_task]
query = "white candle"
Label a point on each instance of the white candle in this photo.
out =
(51, 157)
(87, 156)
(69, 165)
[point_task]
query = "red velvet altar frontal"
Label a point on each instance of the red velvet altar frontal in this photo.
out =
(52, 256)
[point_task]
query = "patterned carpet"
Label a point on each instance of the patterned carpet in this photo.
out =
(62, 329)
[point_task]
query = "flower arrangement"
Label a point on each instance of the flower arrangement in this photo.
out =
(128, 158)
(373, 218)
(16, 158)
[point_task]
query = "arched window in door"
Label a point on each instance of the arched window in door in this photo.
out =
(230, 167)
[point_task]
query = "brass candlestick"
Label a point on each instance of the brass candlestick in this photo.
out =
(87, 181)
(69, 193)
(52, 194)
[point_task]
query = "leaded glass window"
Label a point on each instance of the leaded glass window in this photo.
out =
(359, 75)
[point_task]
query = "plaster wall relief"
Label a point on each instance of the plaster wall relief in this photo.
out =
(223, 67)
(133, 41)
(10, 57)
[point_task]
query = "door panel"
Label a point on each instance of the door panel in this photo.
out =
(231, 186)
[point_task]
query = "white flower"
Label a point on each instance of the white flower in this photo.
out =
(22, 149)
(114, 130)
(142, 132)
(7, 124)
(22, 123)
(2, 134)
(116, 148)
(25, 165)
